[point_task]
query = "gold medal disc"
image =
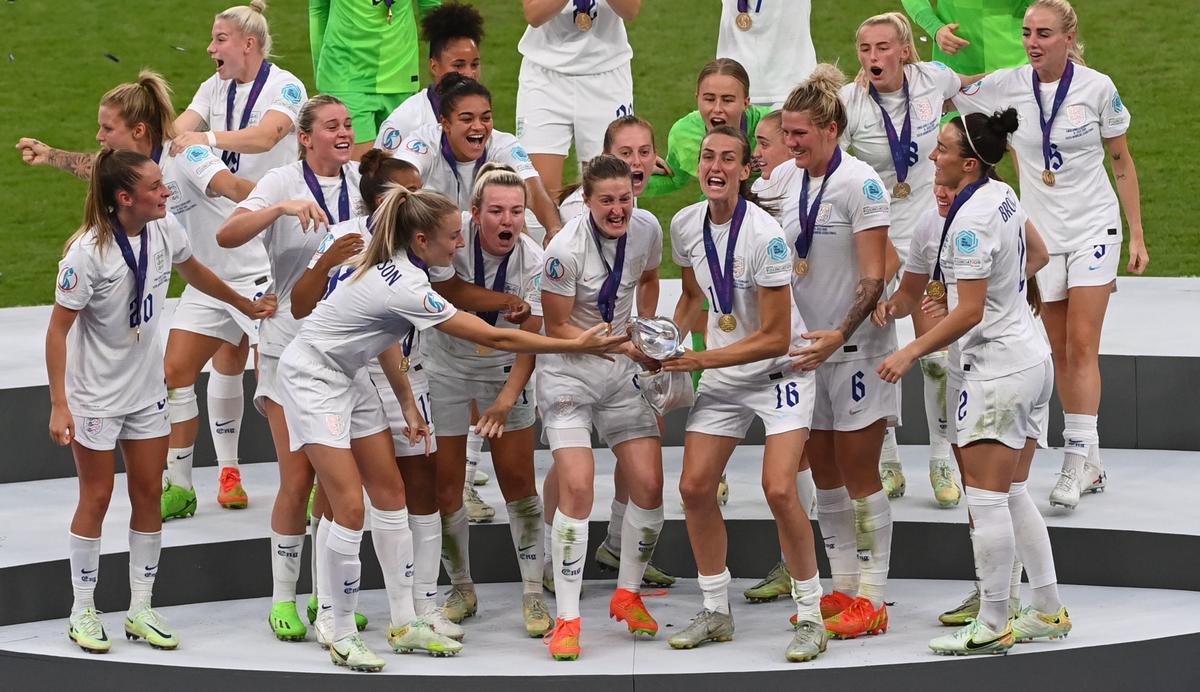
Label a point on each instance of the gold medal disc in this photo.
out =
(583, 21)
(1048, 178)
(727, 323)
(482, 350)
(936, 290)
(801, 267)
(404, 363)
(901, 191)
(743, 21)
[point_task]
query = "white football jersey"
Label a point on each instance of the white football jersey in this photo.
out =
(370, 311)
(187, 176)
(922, 250)
(559, 45)
(854, 201)
(986, 240)
(449, 355)
(1081, 209)
(423, 149)
(283, 93)
(778, 188)
(572, 205)
(777, 50)
(110, 370)
(413, 114)
(288, 247)
(762, 257)
(930, 84)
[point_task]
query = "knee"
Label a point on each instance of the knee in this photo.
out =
(178, 373)
(697, 490)
(574, 488)
(449, 498)
(350, 514)
(780, 495)
(94, 500)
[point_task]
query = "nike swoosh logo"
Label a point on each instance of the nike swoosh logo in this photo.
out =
(289, 547)
(430, 594)
(150, 568)
(858, 410)
(327, 607)
(351, 583)
(1094, 267)
(572, 562)
(343, 656)
(162, 634)
(181, 457)
(523, 548)
(408, 566)
(828, 538)
(223, 423)
(973, 645)
(88, 571)
(644, 544)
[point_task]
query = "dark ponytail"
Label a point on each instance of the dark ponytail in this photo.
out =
(985, 137)
(378, 168)
(767, 204)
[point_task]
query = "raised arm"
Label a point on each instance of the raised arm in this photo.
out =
(36, 153)
(257, 139)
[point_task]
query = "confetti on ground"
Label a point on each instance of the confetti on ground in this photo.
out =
(112, 57)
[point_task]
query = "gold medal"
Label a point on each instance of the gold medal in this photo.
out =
(583, 21)
(405, 362)
(743, 21)
(801, 267)
(936, 290)
(901, 191)
(727, 323)
(1048, 177)
(482, 350)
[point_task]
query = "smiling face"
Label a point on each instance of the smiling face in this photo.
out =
(469, 127)
(459, 55)
(500, 217)
(771, 149)
(634, 145)
(723, 167)
(808, 143)
(722, 100)
(231, 48)
(438, 247)
(611, 205)
(944, 197)
(332, 136)
(147, 200)
(950, 167)
(882, 55)
(116, 134)
(1046, 43)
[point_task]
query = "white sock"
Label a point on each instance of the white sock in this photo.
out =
(616, 521)
(322, 581)
(1014, 583)
(344, 573)
(144, 549)
(1033, 548)
(1079, 435)
(890, 453)
(807, 595)
(285, 565)
(807, 491)
(393, 541)
(548, 542)
(427, 548)
(226, 403)
(179, 466)
(994, 548)
(570, 551)
(639, 536)
(525, 524)
(85, 571)
(933, 371)
(456, 546)
(835, 516)
(474, 452)
(715, 589)
(873, 517)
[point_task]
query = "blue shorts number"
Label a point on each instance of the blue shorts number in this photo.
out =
(858, 388)
(962, 404)
(788, 394)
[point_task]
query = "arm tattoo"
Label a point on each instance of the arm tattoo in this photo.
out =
(866, 295)
(75, 163)
(1121, 176)
(1116, 156)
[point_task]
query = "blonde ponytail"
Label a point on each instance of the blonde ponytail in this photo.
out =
(148, 100)
(111, 171)
(251, 20)
(1070, 24)
(401, 215)
(818, 96)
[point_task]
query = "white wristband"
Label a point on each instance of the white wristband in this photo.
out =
(212, 139)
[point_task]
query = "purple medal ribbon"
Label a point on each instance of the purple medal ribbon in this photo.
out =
(743, 5)
(481, 276)
(435, 100)
(156, 154)
(959, 200)
(1060, 95)
(418, 263)
(808, 216)
(314, 186)
(448, 155)
(233, 159)
(899, 145)
(722, 279)
(606, 300)
(138, 267)
(583, 7)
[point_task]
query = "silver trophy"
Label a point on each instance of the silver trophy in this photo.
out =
(657, 337)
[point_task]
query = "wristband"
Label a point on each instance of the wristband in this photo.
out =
(212, 138)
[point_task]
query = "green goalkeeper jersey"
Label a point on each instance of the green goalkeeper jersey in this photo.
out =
(356, 50)
(683, 149)
(993, 28)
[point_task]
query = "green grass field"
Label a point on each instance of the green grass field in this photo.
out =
(56, 70)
